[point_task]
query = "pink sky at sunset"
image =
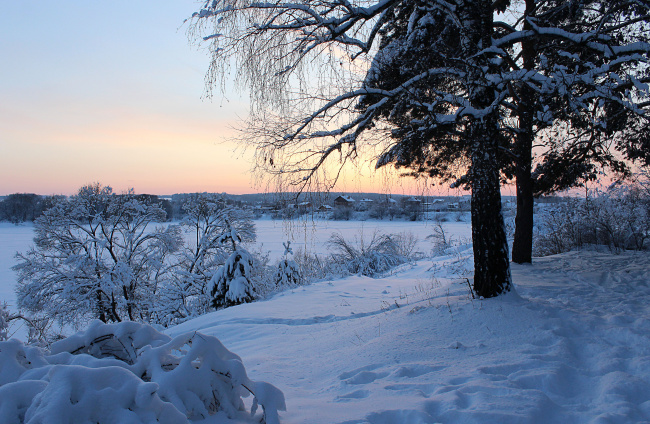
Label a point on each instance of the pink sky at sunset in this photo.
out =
(112, 93)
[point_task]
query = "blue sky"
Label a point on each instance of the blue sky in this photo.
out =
(110, 92)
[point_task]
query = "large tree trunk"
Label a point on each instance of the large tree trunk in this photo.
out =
(491, 264)
(522, 246)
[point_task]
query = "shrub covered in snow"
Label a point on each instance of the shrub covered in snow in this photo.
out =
(129, 373)
(231, 283)
(380, 254)
(288, 272)
(96, 257)
(618, 219)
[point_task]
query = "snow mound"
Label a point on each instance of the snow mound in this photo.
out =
(129, 373)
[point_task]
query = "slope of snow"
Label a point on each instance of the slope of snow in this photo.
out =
(572, 345)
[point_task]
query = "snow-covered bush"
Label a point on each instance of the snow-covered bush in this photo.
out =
(288, 272)
(207, 218)
(95, 256)
(618, 219)
(129, 373)
(312, 266)
(5, 319)
(232, 283)
(380, 254)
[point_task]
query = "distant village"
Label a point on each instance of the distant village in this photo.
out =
(24, 207)
(354, 206)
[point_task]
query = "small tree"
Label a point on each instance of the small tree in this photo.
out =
(95, 256)
(231, 284)
(206, 220)
(288, 273)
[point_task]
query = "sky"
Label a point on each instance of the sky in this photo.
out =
(113, 92)
(110, 92)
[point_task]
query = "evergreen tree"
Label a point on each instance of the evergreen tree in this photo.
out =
(288, 272)
(231, 284)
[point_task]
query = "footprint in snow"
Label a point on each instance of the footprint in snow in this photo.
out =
(357, 394)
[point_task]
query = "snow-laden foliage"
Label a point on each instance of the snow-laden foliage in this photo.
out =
(95, 256)
(231, 283)
(207, 219)
(618, 218)
(37, 326)
(288, 272)
(370, 258)
(5, 318)
(129, 373)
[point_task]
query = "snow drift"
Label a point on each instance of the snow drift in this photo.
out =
(129, 373)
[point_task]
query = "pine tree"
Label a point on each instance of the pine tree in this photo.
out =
(231, 283)
(288, 272)
(457, 83)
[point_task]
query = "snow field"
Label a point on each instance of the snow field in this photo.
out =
(13, 238)
(572, 345)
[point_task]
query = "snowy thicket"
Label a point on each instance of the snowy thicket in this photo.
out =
(96, 257)
(618, 218)
(207, 220)
(129, 373)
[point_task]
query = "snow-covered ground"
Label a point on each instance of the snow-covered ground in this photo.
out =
(304, 233)
(13, 238)
(572, 345)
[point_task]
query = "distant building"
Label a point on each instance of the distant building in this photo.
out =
(304, 207)
(344, 201)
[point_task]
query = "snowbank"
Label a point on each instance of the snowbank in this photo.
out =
(129, 373)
